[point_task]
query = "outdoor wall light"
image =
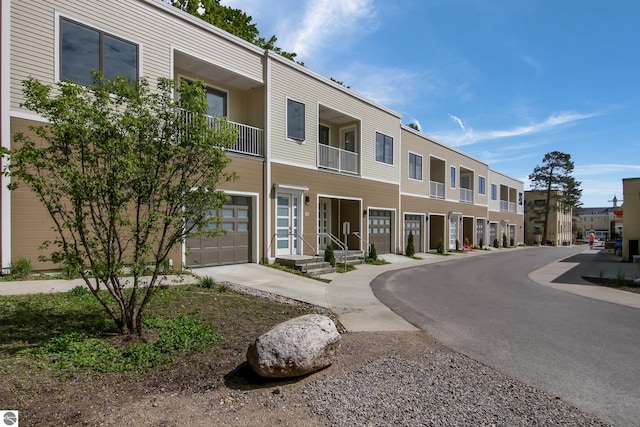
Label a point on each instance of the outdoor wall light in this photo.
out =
(306, 200)
(364, 212)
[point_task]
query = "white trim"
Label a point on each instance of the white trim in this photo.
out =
(455, 172)
(266, 239)
(394, 227)
(485, 185)
(393, 150)
(423, 227)
(5, 136)
(342, 131)
(28, 116)
(56, 41)
(290, 187)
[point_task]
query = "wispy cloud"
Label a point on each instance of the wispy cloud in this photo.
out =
(326, 23)
(606, 169)
(469, 136)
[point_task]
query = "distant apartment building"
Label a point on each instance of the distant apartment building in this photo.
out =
(559, 224)
(318, 163)
(631, 219)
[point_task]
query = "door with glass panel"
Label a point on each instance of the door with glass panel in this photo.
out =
(287, 224)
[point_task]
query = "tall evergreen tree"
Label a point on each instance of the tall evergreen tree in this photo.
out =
(555, 175)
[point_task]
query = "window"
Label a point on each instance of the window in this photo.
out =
(384, 148)
(415, 166)
(520, 199)
(295, 120)
(482, 185)
(494, 192)
(216, 101)
(453, 177)
(84, 49)
(323, 134)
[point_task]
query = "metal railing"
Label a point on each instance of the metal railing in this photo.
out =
(337, 159)
(344, 248)
(436, 189)
(250, 139)
(506, 206)
(466, 195)
(297, 236)
(363, 240)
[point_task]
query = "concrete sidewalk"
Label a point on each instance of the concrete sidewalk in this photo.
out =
(350, 297)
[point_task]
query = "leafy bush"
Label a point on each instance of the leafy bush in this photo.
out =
(481, 242)
(512, 242)
(79, 291)
(504, 240)
(21, 268)
(411, 250)
(329, 255)
(373, 255)
(206, 282)
(457, 245)
(496, 244)
(440, 246)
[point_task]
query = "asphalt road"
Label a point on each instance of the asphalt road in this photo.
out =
(585, 351)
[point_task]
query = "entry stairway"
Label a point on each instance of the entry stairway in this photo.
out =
(315, 265)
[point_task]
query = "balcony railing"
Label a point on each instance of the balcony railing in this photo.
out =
(506, 206)
(337, 159)
(466, 195)
(436, 189)
(250, 139)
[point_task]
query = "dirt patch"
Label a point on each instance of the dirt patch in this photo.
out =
(620, 284)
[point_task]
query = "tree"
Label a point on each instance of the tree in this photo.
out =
(126, 174)
(411, 250)
(414, 126)
(231, 20)
(555, 175)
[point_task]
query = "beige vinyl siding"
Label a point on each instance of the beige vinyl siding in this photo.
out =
(333, 185)
(290, 82)
(33, 39)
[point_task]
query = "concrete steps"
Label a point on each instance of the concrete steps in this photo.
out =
(315, 265)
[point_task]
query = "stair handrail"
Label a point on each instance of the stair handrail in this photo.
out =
(313, 251)
(363, 240)
(344, 248)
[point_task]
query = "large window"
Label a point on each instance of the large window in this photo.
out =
(384, 148)
(216, 101)
(295, 120)
(415, 166)
(452, 178)
(494, 192)
(84, 49)
(482, 185)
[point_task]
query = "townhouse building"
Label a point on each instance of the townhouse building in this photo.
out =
(318, 164)
(560, 225)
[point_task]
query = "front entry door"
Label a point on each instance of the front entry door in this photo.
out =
(287, 224)
(324, 224)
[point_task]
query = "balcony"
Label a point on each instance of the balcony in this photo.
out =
(466, 195)
(436, 189)
(337, 159)
(506, 206)
(250, 139)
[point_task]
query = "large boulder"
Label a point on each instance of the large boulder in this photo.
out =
(296, 347)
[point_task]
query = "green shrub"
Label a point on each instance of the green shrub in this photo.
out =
(457, 245)
(21, 268)
(481, 243)
(440, 246)
(206, 282)
(411, 250)
(329, 255)
(496, 243)
(512, 242)
(79, 291)
(504, 240)
(373, 255)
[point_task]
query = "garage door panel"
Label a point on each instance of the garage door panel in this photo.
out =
(380, 230)
(234, 247)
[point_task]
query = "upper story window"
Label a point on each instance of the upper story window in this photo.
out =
(84, 49)
(295, 120)
(216, 101)
(482, 185)
(520, 199)
(324, 133)
(384, 148)
(415, 166)
(494, 192)
(452, 178)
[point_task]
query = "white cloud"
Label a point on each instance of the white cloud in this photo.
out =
(469, 136)
(325, 23)
(386, 86)
(606, 169)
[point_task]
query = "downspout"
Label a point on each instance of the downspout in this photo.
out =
(5, 123)
(266, 238)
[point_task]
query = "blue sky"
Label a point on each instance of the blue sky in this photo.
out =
(503, 80)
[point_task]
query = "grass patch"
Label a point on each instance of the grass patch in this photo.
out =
(287, 269)
(378, 261)
(344, 268)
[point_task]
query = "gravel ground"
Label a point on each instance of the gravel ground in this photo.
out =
(408, 379)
